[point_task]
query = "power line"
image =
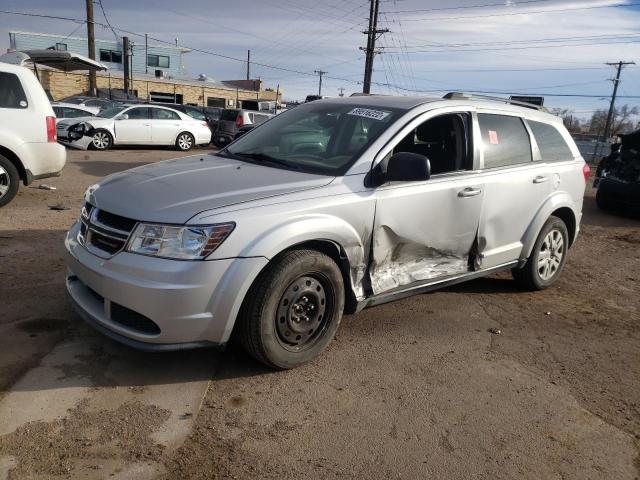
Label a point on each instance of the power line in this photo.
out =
(104, 14)
(463, 7)
(526, 12)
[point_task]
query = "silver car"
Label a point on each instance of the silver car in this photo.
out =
(326, 209)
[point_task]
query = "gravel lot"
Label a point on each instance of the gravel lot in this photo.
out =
(414, 389)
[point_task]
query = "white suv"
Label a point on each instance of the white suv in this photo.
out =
(28, 145)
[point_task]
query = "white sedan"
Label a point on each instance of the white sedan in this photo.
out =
(134, 125)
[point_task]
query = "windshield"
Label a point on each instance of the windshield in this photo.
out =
(322, 138)
(110, 112)
(75, 101)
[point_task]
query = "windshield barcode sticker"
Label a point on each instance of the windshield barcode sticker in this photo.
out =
(367, 113)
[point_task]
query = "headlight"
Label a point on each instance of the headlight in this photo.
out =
(186, 243)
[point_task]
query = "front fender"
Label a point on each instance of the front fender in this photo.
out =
(314, 227)
(553, 203)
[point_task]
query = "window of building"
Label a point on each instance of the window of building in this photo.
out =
(61, 46)
(163, 97)
(505, 140)
(444, 140)
(112, 56)
(158, 61)
(552, 146)
(216, 102)
(162, 114)
(11, 91)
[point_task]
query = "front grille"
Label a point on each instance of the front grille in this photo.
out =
(104, 233)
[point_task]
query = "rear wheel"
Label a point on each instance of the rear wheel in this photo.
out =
(185, 142)
(9, 181)
(602, 201)
(293, 310)
(101, 140)
(548, 257)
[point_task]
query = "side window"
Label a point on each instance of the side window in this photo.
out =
(11, 92)
(162, 114)
(138, 113)
(505, 140)
(552, 146)
(198, 115)
(444, 140)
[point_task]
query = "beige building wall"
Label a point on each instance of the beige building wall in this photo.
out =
(62, 85)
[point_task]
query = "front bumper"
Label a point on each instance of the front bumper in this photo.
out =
(192, 303)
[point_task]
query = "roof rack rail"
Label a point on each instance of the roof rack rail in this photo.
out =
(469, 96)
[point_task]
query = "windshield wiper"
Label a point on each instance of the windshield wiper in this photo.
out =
(263, 157)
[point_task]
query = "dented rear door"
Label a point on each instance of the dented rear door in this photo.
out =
(424, 230)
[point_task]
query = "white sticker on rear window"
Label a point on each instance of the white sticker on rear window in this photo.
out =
(367, 113)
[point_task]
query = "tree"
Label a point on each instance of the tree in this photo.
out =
(622, 121)
(572, 123)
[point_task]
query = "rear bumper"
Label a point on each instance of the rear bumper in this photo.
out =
(620, 194)
(188, 304)
(42, 160)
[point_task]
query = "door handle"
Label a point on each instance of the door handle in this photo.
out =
(540, 179)
(469, 192)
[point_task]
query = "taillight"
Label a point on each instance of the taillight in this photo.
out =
(239, 121)
(586, 171)
(51, 130)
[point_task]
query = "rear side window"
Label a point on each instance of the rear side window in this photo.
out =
(505, 140)
(11, 91)
(193, 113)
(162, 114)
(552, 146)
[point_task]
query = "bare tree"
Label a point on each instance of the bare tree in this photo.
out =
(622, 121)
(570, 121)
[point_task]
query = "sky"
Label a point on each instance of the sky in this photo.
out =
(529, 46)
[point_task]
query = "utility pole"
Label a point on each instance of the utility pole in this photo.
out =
(341, 94)
(248, 64)
(146, 53)
(91, 44)
(372, 35)
(125, 63)
(320, 74)
(616, 81)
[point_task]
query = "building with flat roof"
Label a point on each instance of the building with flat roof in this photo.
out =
(161, 78)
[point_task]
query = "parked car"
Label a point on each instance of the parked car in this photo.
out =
(95, 105)
(244, 129)
(135, 125)
(618, 176)
(199, 113)
(332, 207)
(28, 147)
(232, 119)
(70, 110)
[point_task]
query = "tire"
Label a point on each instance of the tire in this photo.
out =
(101, 140)
(293, 309)
(9, 181)
(185, 141)
(602, 202)
(547, 259)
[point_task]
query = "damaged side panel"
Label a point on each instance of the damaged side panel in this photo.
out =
(423, 232)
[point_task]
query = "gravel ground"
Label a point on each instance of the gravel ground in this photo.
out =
(414, 389)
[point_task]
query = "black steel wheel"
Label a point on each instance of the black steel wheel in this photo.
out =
(293, 309)
(9, 181)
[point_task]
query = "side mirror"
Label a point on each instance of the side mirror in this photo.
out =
(407, 167)
(124, 116)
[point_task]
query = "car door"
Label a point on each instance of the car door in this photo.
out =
(515, 186)
(165, 126)
(133, 126)
(425, 231)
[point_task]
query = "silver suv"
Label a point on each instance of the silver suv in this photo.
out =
(326, 209)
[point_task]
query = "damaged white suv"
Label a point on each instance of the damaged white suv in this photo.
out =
(328, 208)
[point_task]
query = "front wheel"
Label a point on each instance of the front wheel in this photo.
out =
(293, 309)
(548, 257)
(101, 140)
(185, 142)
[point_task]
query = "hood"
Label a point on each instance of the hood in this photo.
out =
(173, 191)
(93, 121)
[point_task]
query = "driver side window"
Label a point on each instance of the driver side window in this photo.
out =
(444, 140)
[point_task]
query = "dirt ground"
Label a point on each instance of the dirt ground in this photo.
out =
(418, 388)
